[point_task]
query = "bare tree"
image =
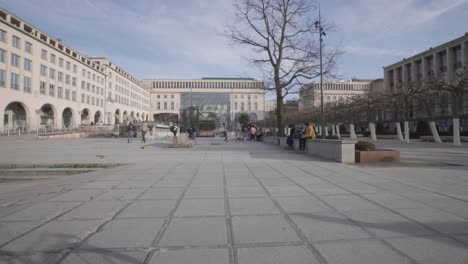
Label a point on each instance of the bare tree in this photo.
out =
(281, 34)
(456, 88)
(428, 100)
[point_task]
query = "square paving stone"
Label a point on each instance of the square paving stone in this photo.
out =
(325, 189)
(100, 185)
(441, 221)
(308, 180)
(162, 193)
(111, 257)
(322, 226)
(94, 210)
(303, 204)
(134, 185)
(204, 192)
(27, 259)
(125, 233)
(349, 202)
(432, 250)
(191, 256)
(245, 192)
(262, 229)
(120, 195)
(359, 252)
(147, 208)
(81, 195)
(195, 232)
(41, 211)
(287, 191)
(361, 188)
(10, 230)
(384, 223)
(393, 201)
(276, 255)
(201, 207)
(277, 182)
(55, 235)
(252, 206)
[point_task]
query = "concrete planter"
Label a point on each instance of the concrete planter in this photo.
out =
(383, 155)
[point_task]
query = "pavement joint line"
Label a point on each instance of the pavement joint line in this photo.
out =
(320, 258)
(233, 259)
(66, 252)
(171, 214)
(383, 241)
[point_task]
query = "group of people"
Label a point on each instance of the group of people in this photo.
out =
(131, 131)
(250, 133)
(302, 132)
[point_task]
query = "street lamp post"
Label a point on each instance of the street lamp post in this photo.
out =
(318, 25)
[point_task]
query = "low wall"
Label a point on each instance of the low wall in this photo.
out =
(97, 129)
(342, 151)
(63, 135)
(443, 138)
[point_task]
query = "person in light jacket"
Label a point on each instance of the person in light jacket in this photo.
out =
(309, 134)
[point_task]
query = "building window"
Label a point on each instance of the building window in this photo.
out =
(458, 57)
(2, 55)
(255, 106)
(443, 61)
(74, 82)
(159, 106)
(52, 58)
(2, 78)
(74, 68)
(165, 96)
(42, 88)
(67, 94)
(88, 87)
(419, 69)
(165, 105)
(68, 65)
(158, 96)
(28, 47)
(15, 60)
(27, 65)
(172, 96)
(82, 98)
(172, 105)
(242, 106)
(235, 106)
(409, 72)
(60, 76)
(83, 85)
(51, 90)
(60, 62)
(43, 70)
(87, 99)
(67, 79)
(74, 96)
(52, 73)
(59, 92)
(430, 64)
(3, 35)
(43, 54)
(16, 42)
(14, 81)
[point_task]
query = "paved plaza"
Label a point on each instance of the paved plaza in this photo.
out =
(233, 203)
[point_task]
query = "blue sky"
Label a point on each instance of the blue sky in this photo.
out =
(183, 38)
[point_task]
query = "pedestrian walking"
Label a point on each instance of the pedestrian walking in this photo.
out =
(253, 132)
(130, 131)
(144, 129)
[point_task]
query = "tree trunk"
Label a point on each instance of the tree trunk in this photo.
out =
(456, 131)
(352, 132)
(434, 132)
(279, 113)
(373, 135)
(338, 131)
(398, 129)
(407, 139)
(333, 130)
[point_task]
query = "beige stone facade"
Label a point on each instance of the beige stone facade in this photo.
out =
(309, 96)
(47, 84)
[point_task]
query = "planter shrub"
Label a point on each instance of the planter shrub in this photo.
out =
(331, 137)
(365, 146)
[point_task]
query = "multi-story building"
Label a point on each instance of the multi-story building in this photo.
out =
(206, 103)
(442, 61)
(45, 83)
(126, 97)
(310, 97)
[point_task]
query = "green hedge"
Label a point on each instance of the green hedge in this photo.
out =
(365, 146)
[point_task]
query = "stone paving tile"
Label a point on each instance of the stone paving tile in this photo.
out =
(201, 207)
(441, 221)
(359, 252)
(100, 185)
(125, 233)
(322, 226)
(262, 229)
(172, 183)
(111, 257)
(41, 211)
(120, 195)
(279, 191)
(308, 180)
(205, 192)
(360, 188)
(393, 201)
(27, 259)
(349, 202)
(79, 195)
(10, 230)
(277, 182)
(149, 209)
(252, 206)
(191, 256)
(398, 187)
(432, 250)
(94, 210)
(241, 182)
(162, 193)
(306, 204)
(55, 235)
(384, 223)
(276, 255)
(134, 185)
(325, 189)
(246, 192)
(209, 231)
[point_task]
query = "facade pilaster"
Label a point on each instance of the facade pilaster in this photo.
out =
(450, 64)
(465, 54)
(437, 65)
